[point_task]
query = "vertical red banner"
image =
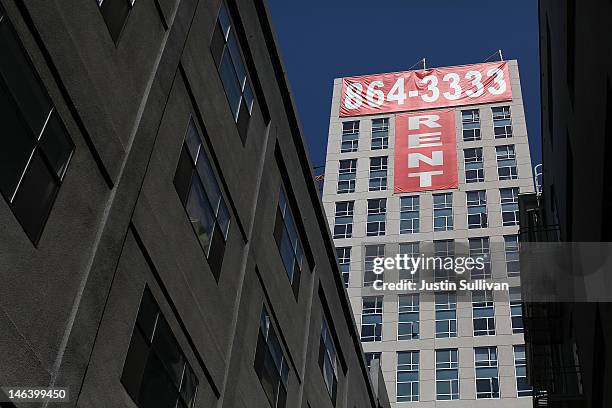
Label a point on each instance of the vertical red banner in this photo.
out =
(425, 151)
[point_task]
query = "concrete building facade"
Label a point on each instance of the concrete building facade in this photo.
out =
(570, 364)
(397, 334)
(163, 242)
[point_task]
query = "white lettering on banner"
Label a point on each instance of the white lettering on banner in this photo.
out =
(425, 177)
(436, 159)
(414, 122)
(425, 140)
(415, 141)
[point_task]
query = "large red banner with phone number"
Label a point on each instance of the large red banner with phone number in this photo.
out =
(425, 151)
(425, 89)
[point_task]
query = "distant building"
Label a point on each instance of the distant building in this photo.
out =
(443, 349)
(568, 343)
(163, 242)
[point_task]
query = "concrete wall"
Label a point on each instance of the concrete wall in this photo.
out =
(68, 305)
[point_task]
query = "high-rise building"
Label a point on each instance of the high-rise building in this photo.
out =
(162, 241)
(433, 161)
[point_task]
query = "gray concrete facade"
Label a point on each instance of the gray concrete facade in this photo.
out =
(465, 342)
(69, 302)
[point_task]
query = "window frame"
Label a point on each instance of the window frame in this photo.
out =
(441, 210)
(377, 177)
(410, 310)
(409, 207)
(509, 205)
(473, 125)
(490, 363)
(381, 140)
(347, 176)
(346, 216)
(350, 136)
(376, 311)
(486, 304)
(344, 260)
(449, 306)
(411, 367)
(477, 209)
(502, 121)
(506, 162)
(474, 164)
(376, 223)
(452, 366)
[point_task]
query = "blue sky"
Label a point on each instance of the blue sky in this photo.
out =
(322, 40)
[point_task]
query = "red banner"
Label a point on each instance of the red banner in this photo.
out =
(425, 151)
(426, 89)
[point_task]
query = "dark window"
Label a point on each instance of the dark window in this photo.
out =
(487, 377)
(480, 248)
(483, 313)
(378, 173)
(377, 214)
(471, 125)
(347, 175)
(156, 372)
(447, 374)
(408, 317)
(443, 211)
(409, 215)
(380, 133)
(516, 310)
(446, 315)
(343, 223)
(369, 357)
(509, 205)
(506, 162)
(270, 363)
(226, 51)
(288, 242)
(477, 209)
(350, 137)
(328, 362)
(474, 167)
(371, 253)
(520, 365)
(407, 387)
(115, 13)
(197, 187)
(371, 318)
(37, 147)
(502, 122)
(344, 260)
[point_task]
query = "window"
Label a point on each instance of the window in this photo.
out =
(479, 248)
(372, 252)
(446, 315)
(328, 360)
(270, 363)
(371, 318)
(378, 173)
(377, 213)
(509, 205)
(447, 374)
(511, 246)
(344, 260)
(156, 372)
(380, 133)
(350, 137)
(408, 323)
(506, 163)
(487, 378)
(471, 125)
(520, 366)
(474, 168)
(347, 173)
(36, 147)
(516, 310)
(483, 311)
(376, 355)
(289, 242)
(477, 209)
(115, 14)
(407, 376)
(502, 124)
(443, 211)
(343, 226)
(412, 250)
(443, 248)
(409, 215)
(227, 54)
(199, 192)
